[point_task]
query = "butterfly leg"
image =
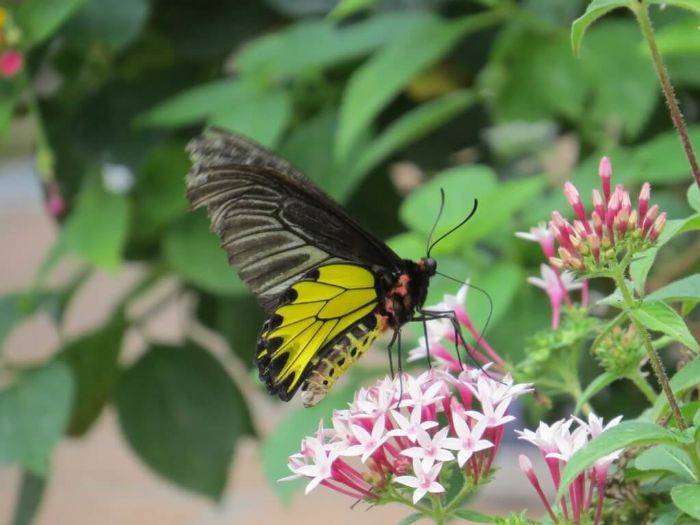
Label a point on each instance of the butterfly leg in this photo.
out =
(388, 348)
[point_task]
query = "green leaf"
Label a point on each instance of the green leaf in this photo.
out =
(594, 11)
(630, 100)
(687, 498)
(34, 412)
(31, 492)
(346, 8)
(694, 197)
(10, 90)
(501, 281)
(681, 38)
(182, 414)
(666, 458)
(408, 520)
(662, 159)
(410, 127)
(690, 5)
(39, 19)
(93, 359)
(286, 439)
(665, 515)
(159, 195)
(642, 262)
(115, 23)
(684, 289)
(461, 185)
(660, 317)
(683, 380)
(594, 387)
(311, 45)
(474, 516)
(262, 117)
(194, 254)
(197, 104)
(625, 435)
(98, 226)
(10, 314)
(384, 75)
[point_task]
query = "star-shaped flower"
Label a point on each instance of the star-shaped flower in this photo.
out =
(468, 440)
(423, 481)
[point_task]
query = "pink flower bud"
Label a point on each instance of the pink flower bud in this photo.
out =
(574, 198)
(605, 173)
(597, 223)
(657, 227)
(594, 245)
(11, 62)
(633, 220)
(621, 221)
(650, 217)
(55, 204)
(598, 204)
(644, 199)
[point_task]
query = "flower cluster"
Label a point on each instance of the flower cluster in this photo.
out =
(614, 228)
(443, 333)
(403, 437)
(557, 443)
(555, 282)
(11, 60)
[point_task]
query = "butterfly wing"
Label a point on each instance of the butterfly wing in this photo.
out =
(274, 224)
(315, 270)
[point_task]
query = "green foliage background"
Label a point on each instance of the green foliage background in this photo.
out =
(485, 98)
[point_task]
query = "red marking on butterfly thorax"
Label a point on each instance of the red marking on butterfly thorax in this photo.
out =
(397, 295)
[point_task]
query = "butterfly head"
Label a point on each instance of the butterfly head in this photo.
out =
(428, 265)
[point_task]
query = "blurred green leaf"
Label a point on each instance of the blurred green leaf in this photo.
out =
(670, 459)
(316, 44)
(694, 197)
(159, 195)
(662, 159)
(677, 39)
(31, 492)
(286, 439)
(262, 117)
(182, 414)
(594, 387)
(98, 226)
(194, 254)
(114, 22)
(690, 5)
(34, 412)
(10, 314)
(38, 19)
(10, 90)
(197, 104)
(346, 8)
(384, 75)
(531, 62)
(461, 184)
(501, 281)
(474, 516)
(625, 435)
(630, 100)
(687, 498)
(93, 359)
(660, 317)
(409, 127)
(686, 378)
(594, 11)
(687, 288)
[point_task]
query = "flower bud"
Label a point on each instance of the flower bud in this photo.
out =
(644, 199)
(605, 173)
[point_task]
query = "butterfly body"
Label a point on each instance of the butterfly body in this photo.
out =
(330, 288)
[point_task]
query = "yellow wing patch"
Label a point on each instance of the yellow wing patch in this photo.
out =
(323, 306)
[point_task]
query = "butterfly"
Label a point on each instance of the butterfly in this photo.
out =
(328, 286)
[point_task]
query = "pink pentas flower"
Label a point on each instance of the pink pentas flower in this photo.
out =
(11, 62)
(369, 452)
(613, 229)
(541, 234)
(557, 285)
(557, 444)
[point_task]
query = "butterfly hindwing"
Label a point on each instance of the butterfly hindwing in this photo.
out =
(315, 315)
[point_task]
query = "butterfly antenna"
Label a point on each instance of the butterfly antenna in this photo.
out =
(478, 289)
(437, 220)
(450, 232)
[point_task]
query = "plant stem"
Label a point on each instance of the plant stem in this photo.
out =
(641, 11)
(643, 386)
(656, 364)
(466, 489)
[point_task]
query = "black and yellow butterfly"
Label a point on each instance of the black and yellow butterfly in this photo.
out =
(329, 286)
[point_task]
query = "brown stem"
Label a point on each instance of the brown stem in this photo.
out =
(641, 11)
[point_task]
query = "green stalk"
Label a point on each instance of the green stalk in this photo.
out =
(641, 383)
(656, 364)
(641, 11)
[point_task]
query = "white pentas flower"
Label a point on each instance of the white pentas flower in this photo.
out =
(558, 443)
(396, 437)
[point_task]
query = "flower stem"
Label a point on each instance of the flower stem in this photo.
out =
(641, 11)
(656, 364)
(642, 384)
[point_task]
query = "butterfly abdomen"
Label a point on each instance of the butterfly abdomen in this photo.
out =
(343, 353)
